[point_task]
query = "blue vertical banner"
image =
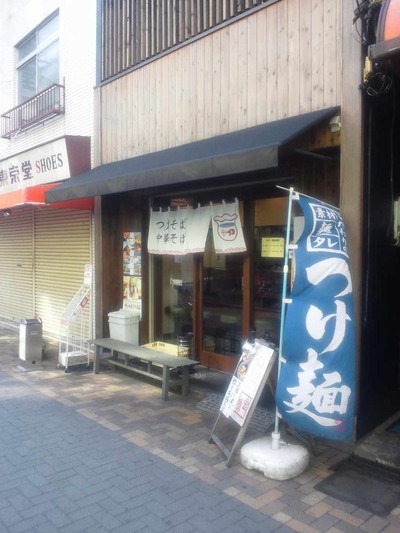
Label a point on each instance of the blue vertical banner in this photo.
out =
(316, 386)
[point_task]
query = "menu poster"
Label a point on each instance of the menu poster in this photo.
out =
(246, 381)
(132, 270)
(132, 254)
(272, 247)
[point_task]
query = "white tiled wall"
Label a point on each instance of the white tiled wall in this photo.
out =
(77, 66)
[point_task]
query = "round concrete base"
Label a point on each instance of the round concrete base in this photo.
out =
(276, 459)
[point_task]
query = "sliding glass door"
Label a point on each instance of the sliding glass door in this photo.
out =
(222, 308)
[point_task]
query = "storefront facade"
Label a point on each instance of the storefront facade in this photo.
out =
(212, 120)
(46, 123)
(380, 372)
(218, 298)
(44, 248)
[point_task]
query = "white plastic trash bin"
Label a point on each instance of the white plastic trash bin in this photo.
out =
(124, 325)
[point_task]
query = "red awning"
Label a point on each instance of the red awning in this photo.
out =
(392, 20)
(388, 33)
(36, 196)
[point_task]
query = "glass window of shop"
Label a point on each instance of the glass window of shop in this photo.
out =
(268, 259)
(175, 297)
(219, 298)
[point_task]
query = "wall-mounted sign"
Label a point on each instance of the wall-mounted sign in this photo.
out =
(272, 247)
(38, 166)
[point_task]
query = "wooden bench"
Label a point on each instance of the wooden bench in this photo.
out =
(153, 360)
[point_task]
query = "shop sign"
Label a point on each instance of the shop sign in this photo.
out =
(244, 391)
(316, 386)
(179, 232)
(41, 165)
(227, 228)
(246, 381)
(184, 231)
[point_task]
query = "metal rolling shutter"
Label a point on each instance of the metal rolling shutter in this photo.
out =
(62, 248)
(16, 264)
(93, 291)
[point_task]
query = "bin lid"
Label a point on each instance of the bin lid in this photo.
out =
(29, 321)
(124, 313)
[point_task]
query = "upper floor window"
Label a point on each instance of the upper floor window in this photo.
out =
(135, 30)
(38, 59)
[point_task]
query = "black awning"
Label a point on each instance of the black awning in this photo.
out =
(384, 49)
(246, 150)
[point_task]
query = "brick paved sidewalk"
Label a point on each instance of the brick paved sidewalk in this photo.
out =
(84, 452)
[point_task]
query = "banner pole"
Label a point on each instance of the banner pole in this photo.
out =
(275, 458)
(275, 443)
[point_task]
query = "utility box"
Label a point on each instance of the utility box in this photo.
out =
(30, 344)
(124, 326)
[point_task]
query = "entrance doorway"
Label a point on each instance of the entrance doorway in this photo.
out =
(242, 292)
(221, 308)
(174, 302)
(220, 298)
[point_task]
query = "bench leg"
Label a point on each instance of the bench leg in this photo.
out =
(185, 381)
(165, 382)
(96, 360)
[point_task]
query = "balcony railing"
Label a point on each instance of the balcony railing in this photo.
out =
(41, 107)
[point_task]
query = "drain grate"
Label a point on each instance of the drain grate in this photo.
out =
(369, 468)
(261, 420)
(365, 484)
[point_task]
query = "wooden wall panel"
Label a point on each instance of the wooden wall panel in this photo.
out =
(233, 59)
(144, 113)
(217, 60)
(281, 96)
(178, 96)
(123, 118)
(293, 58)
(186, 96)
(201, 94)
(170, 87)
(330, 49)
(271, 45)
(351, 160)
(163, 95)
(317, 58)
(208, 87)
(225, 81)
(131, 111)
(252, 73)
(159, 106)
(193, 93)
(305, 59)
(261, 69)
(242, 87)
(280, 61)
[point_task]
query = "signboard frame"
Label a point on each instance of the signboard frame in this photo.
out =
(271, 352)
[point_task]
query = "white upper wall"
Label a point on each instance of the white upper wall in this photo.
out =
(77, 66)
